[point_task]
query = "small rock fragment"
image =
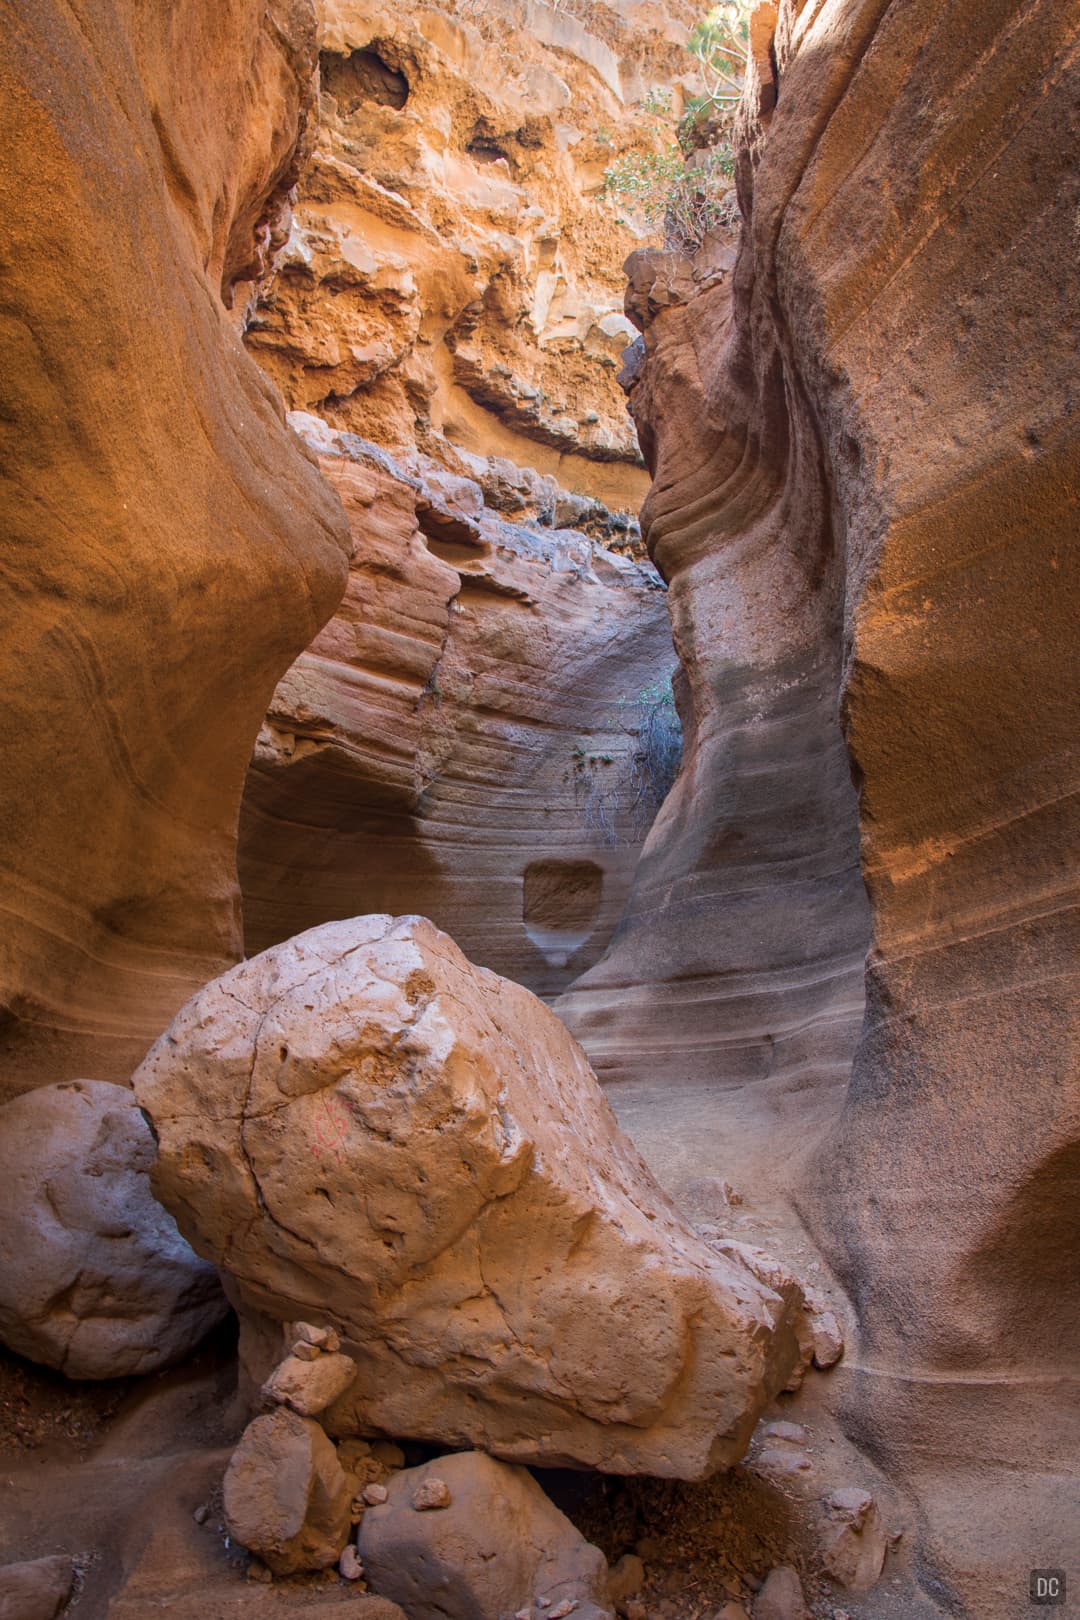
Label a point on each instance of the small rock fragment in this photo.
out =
(374, 1494)
(634, 1609)
(732, 1611)
(389, 1454)
(349, 1566)
(781, 1597)
(304, 1351)
(320, 1338)
(854, 1553)
(36, 1590)
(257, 1571)
(201, 1514)
(309, 1387)
(500, 1546)
(793, 1432)
(784, 1462)
(431, 1493)
(828, 1339)
(625, 1578)
(286, 1495)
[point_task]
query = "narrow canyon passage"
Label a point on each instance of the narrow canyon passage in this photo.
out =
(538, 1041)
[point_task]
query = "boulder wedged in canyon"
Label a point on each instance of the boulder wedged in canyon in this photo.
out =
(359, 1126)
(168, 547)
(95, 1280)
(901, 326)
(462, 738)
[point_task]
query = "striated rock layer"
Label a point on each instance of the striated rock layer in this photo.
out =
(463, 735)
(168, 548)
(880, 501)
(359, 1126)
(740, 955)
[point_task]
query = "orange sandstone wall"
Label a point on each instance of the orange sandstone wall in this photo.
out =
(168, 549)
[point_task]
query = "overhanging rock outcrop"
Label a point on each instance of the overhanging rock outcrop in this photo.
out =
(360, 1127)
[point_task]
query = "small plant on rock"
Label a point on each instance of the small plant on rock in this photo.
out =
(684, 186)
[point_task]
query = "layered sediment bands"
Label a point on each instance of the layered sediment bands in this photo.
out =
(740, 956)
(460, 739)
(940, 341)
(168, 549)
(904, 323)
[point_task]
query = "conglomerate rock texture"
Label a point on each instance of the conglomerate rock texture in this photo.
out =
(451, 280)
(168, 548)
(361, 1127)
(462, 736)
(866, 445)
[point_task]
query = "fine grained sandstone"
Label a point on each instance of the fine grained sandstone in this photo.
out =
(95, 1280)
(451, 280)
(169, 549)
(741, 948)
(461, 738)
(360, 1126)
(498, 1546)
(889, 378)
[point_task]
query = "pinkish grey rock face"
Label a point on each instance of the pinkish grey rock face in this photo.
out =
(359, 1125)
(95, 1280)
(462, 737)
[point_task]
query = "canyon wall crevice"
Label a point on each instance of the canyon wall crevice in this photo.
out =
(169, 549)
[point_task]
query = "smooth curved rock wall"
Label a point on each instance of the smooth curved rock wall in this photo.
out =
(899, 355)
(460, 737)
(169, 550)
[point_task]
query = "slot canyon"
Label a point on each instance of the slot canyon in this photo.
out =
(538, 1021)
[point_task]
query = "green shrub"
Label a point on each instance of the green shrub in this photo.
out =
(685, 187)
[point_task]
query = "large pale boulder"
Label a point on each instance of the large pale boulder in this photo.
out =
(95, 1280)
(499, 1545)
(361, 1126)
